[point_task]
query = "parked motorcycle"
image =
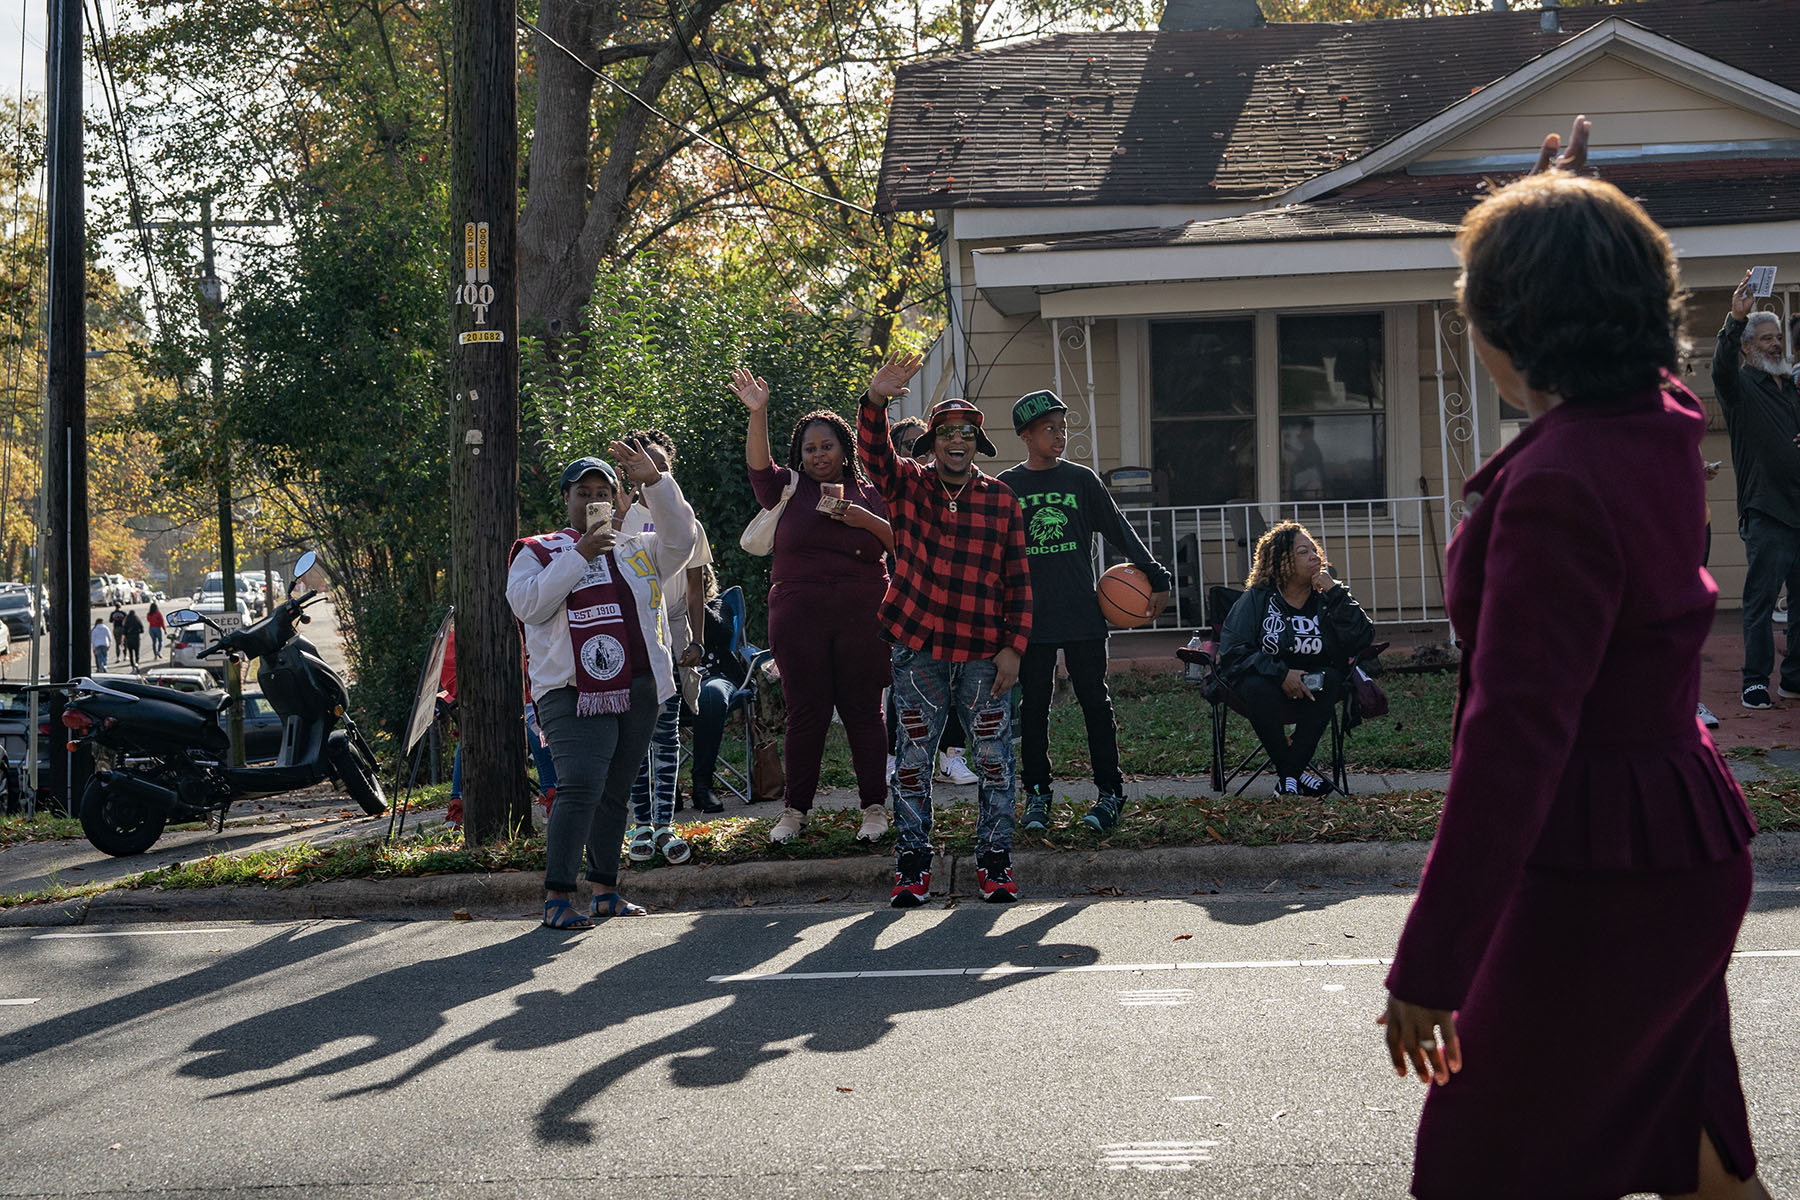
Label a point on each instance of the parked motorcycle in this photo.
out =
(171, 758)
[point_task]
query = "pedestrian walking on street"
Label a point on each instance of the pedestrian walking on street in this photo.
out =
(958, 614)
(598, 665)
(100, 640)
(1560, 980)
(132, 635)
(825, 586)
(155, 623)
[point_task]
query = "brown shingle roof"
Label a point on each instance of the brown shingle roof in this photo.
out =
(1677, 194)
(1191, 117)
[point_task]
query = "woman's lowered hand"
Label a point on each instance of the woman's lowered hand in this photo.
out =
(1412, 1039)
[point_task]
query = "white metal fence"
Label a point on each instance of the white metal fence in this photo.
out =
(1389, 552)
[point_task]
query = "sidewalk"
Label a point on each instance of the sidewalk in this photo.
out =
(321, 818)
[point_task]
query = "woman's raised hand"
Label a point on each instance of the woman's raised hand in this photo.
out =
(891, 379)
(1572, 159)
(754, 392)
(635, 462)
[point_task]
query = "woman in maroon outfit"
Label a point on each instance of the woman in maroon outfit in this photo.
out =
(1561, 976)
(828, 579)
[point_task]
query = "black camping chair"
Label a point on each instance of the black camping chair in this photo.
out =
(729, 775)
(1201, 655)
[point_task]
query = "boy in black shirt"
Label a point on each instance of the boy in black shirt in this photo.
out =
(1065, 505)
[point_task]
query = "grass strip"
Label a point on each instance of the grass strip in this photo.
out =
(1148, 823)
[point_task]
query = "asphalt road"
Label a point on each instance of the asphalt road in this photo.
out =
(322, 631)
(489, 1059)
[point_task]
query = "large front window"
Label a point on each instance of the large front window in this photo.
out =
(1203, 410)
(1333, 407)
(1308, 422)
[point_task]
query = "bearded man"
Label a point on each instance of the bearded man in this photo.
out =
(1754, 381)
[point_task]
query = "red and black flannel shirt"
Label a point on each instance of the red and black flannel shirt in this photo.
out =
(961, 589)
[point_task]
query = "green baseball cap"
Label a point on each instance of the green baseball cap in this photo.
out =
(1031, 407)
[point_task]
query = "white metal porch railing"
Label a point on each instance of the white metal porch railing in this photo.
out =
(1389, 552)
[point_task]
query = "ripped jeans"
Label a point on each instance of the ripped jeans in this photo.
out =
(925, 689)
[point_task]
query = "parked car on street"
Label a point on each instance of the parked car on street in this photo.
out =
(182, 679)
(19, 614)
(262, 727)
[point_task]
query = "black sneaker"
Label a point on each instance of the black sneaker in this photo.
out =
(912, 881)
(1037, 810)
(1105, 813)
(1757, 696)
(1287, 785)
(994, 872)
(1313, 784)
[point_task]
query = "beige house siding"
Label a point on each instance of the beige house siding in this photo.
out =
(1633, 106)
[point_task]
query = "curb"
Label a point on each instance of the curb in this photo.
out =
(517, 895)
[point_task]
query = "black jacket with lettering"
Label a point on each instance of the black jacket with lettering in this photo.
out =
(1065, 506)
(1264, 636)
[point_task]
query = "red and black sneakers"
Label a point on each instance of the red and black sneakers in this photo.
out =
(912, 881)
(993, 870)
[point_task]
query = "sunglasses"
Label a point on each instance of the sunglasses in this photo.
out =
(967, 433)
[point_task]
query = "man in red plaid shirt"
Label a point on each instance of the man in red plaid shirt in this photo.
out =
(958, 611)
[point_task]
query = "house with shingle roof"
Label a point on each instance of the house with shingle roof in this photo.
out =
(1229, 247)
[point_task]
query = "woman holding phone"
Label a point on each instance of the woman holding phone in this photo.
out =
(597, 661)
(828, 578)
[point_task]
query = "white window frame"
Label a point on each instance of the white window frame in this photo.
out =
(1400, 337)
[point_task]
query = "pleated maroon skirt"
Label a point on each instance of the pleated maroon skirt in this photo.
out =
(1596, 1042)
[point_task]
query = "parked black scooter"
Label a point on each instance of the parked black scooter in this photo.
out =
(171, 759)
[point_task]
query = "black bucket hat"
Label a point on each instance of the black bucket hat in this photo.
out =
(942, 413)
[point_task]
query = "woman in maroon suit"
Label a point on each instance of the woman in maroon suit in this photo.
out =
(1561, 976)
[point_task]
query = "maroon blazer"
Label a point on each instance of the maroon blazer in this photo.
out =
(1576, 586)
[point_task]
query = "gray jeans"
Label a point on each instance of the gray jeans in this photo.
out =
(1773, 552)
(596, 761)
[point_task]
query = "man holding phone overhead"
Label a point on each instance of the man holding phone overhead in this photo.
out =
(1753, 378)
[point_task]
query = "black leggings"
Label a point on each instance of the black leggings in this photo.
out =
(1269, 709)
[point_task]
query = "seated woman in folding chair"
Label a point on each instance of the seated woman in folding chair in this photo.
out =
(1285, 648)
(722, 673)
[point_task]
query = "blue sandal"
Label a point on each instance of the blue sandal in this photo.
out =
(560, 914)
(616, 905)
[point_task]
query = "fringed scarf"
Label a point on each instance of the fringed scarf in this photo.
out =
(603, 627)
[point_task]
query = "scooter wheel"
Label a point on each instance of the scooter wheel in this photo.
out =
(356, 771)
(118, 823)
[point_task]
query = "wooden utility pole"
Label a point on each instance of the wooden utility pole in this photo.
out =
(484, 412)
(65, 402)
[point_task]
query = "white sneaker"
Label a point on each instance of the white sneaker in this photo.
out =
(1707, 719)
(954, 767)
(1785, 694)
(874, 823)
(790, 823)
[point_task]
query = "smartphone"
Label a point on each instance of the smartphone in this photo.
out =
(599, 513)
(1313, 682)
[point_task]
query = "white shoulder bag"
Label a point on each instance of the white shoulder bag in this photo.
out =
(759, 535)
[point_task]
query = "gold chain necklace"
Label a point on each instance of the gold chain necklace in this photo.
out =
(954, 496)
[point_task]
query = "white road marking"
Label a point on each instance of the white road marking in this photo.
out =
(39, 937)
(1154, 1156)
(26, 1000)
(1187, 1099)
(1010, 969)
(1162, 997)
(1090, 969)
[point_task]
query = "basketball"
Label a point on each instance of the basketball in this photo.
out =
(1124, 596)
